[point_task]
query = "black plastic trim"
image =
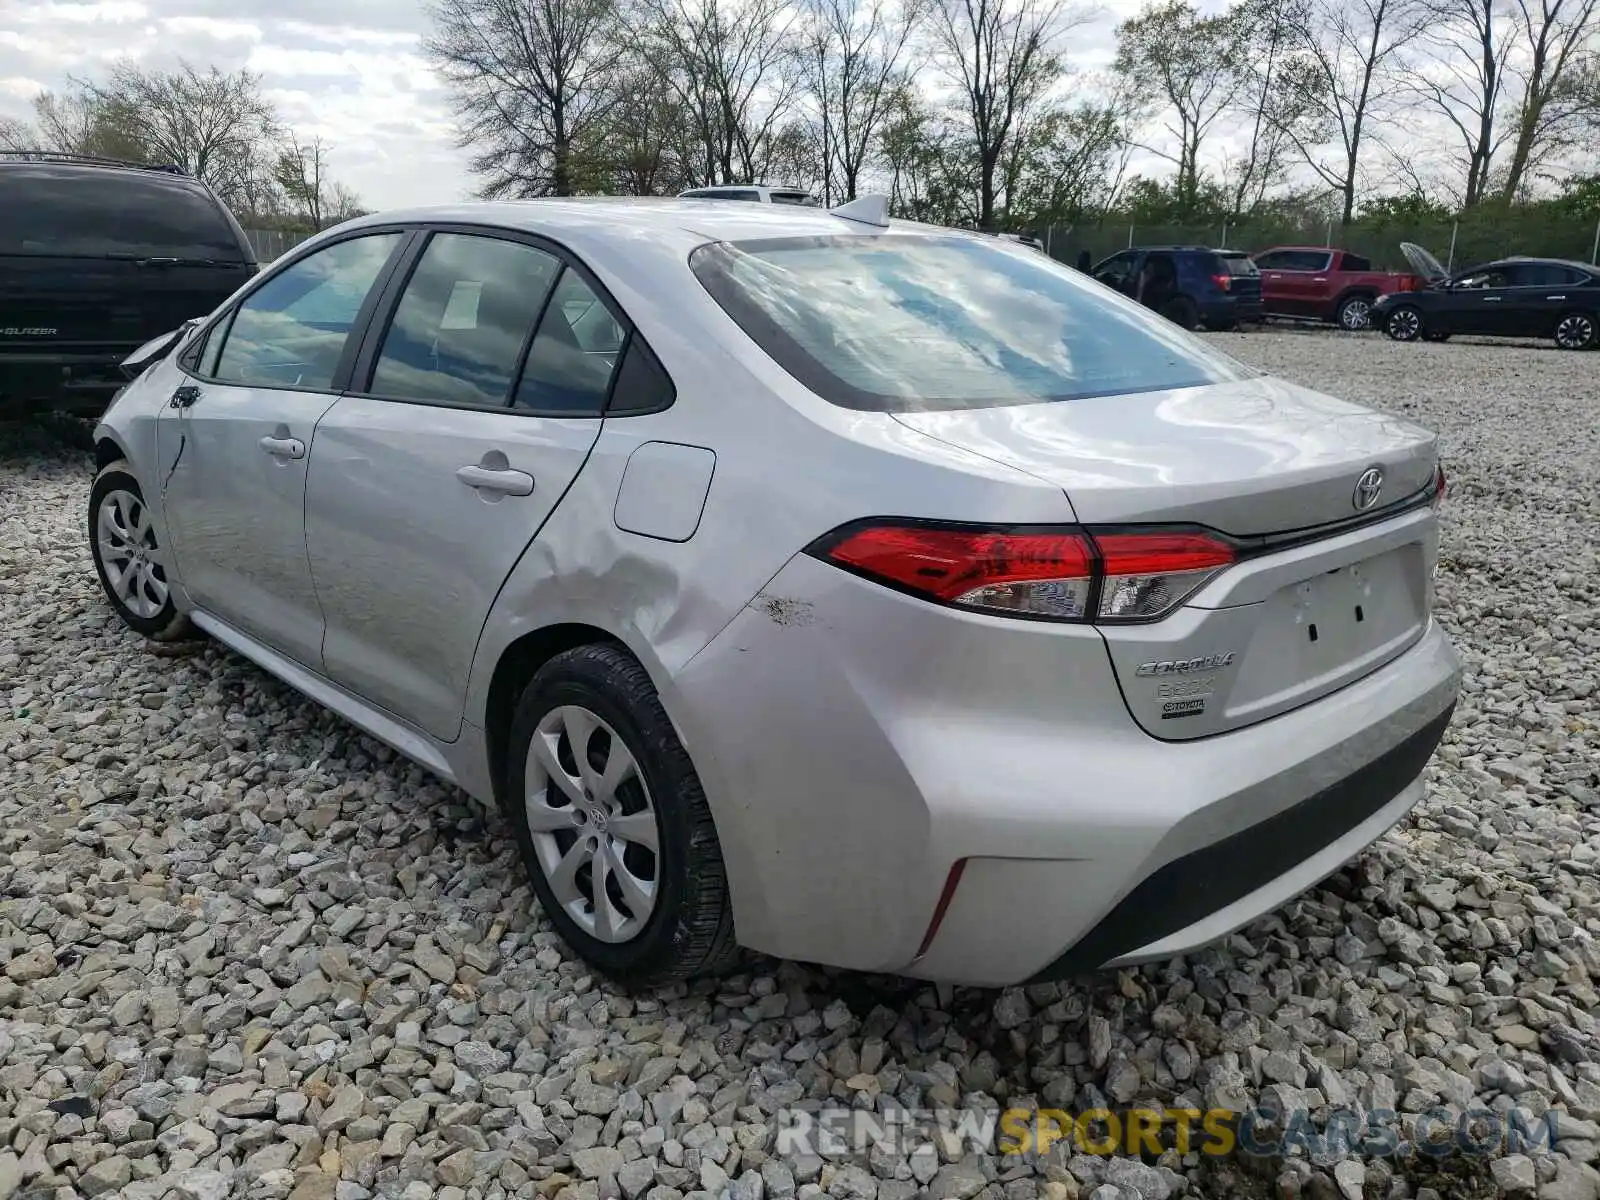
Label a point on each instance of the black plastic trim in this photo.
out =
(1190, 888)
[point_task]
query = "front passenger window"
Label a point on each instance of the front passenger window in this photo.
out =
(291, 331)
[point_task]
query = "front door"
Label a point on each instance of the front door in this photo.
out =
(1482, 302)
(238, 436)
(426, 488)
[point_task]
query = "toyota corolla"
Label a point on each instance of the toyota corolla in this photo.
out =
(850, 590)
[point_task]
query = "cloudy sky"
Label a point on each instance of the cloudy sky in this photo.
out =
(345, 69)
(348, 70)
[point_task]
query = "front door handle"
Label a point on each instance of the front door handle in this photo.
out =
(502, 481)
(1555, 297)
(1493, 299)
(284, 447)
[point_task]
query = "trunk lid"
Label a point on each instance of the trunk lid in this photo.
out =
(1423, 263)
(1330, 585)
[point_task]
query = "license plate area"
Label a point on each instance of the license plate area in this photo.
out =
(1331, 628)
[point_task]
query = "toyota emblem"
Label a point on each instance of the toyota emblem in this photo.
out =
(1368, 488)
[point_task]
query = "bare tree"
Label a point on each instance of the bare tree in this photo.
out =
(214, 124)
(17, 135)
(1192, 65)
(1001, 57)
(733, 72)
(1273, 100)
(1462, 77)
(853, 51)
(302, 172)
(1562, 42)
(644, 141)
(1068, 163)
(1348, 48)
(532, 80)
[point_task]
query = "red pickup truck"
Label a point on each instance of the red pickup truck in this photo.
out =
(1319, 283)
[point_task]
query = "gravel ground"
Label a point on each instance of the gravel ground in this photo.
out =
(245, 951)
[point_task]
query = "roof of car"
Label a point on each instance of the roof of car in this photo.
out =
(605, 218)
(1588, 268)
(1311, 249)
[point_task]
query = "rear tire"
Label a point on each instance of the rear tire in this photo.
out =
(1405, 324)
(622, 852)
(130, 562)
(1354, 313)
(1181, 312)
(1577, 331)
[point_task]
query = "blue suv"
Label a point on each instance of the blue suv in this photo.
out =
(1189, 285)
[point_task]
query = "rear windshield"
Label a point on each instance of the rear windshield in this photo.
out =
(804, 199)
(897, 323)
(93, 212)
(1239, 264)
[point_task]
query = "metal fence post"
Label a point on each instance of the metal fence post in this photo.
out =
(1455, 226)
(1594, 253)
(1130, 237)
(1224, 245)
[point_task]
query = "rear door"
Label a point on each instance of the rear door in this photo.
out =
(1541, 293)
(1299, 282)
(96, 260)
(236, 448)
(471, 412)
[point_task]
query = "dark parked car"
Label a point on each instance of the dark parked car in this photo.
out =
(1189, 285)
(96, 258)
(1513, 297)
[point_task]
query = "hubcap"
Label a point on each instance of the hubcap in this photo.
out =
(1575, 331)
(1405, 323)
(1357, 314)
(593, 824)
(133, 563)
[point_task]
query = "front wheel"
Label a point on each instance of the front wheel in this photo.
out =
(1404, 324)
(613, 824)
(1577, 331)
(128, 557)
(1355, 313)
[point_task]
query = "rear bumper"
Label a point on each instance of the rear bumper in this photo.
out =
(1225, 309)
(856, 745)
(49, 378)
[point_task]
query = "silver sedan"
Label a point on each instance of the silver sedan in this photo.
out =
(855, 591)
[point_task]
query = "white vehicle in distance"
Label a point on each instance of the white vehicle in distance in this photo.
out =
(852, 590)
(754, 193)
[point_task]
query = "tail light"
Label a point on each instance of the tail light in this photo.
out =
(1060, 574)
(1225, 282)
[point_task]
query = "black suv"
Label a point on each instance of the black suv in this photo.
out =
(97, 257)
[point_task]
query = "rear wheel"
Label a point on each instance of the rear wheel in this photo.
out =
(1404, 324)
(1182, 312)
(613, 824)
(1577, 331)
(1355, 313)
(128, 557)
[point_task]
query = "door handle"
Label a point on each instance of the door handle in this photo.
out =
(284, 447)
(1555, 297)
(504, 481)
(1319, 279)
(1493, 299)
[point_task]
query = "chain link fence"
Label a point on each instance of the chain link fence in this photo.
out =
(270, 243)
(1472, 238)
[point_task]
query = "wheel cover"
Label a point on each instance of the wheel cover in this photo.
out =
(593, 824)
(1575, 330)
(1406, 323)
(1356, 314)
(134, 565)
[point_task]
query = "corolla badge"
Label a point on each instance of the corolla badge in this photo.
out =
(1368, 488)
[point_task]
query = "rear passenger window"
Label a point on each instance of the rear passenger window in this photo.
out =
(574, 354)
(1354, 262)
(642, 383)
(463, 321)
(291, 331)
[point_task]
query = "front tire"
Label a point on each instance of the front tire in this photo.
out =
(613, 824)
(128, 558)
(1577, 331)
(1404, 323)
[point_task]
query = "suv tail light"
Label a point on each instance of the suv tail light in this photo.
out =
(1223, 281)
(1057, 573)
